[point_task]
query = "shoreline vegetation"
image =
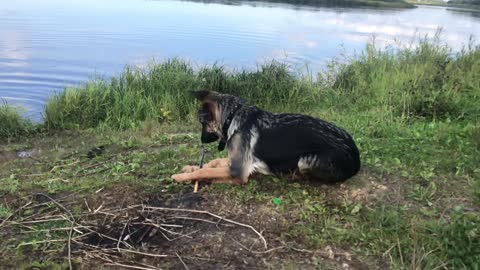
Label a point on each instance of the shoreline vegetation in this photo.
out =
(414, 113)
(324, 3)
(427, 82)
(473, 5)
(378, 4)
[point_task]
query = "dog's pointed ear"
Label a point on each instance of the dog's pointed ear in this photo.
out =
(203, 94)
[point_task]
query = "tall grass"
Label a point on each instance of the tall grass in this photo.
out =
(427, 81)
(424, 82)
(12, 123)
(162, 92)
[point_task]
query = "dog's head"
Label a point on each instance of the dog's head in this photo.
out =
(213, 113)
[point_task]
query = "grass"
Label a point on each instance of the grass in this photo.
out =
(162, 92)
(13, 124)
(428, 2)
(413, 112)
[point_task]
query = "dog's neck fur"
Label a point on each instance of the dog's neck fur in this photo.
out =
(227, 121)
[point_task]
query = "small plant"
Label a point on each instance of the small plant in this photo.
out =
(4, 211)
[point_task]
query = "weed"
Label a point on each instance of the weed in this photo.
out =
(4, 211)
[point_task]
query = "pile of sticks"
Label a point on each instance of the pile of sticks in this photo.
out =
(111, 233)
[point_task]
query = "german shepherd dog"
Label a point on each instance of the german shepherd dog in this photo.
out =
(268, 143)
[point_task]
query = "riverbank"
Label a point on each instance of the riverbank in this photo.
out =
(113, 144)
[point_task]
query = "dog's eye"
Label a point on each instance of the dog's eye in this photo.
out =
(203, 117)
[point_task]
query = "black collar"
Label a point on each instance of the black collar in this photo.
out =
(228, 121)
(226, 126)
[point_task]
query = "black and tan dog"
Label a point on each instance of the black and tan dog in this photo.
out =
(267, 143)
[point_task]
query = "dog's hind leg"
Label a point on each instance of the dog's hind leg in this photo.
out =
(326, 169)
(317, 167)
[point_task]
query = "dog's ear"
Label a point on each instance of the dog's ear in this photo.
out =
(203, 94)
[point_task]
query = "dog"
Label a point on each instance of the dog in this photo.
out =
(271, 144)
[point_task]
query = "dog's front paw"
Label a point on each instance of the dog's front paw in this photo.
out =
(190, 169)
(179, 177)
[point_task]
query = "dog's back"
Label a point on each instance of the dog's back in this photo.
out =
(294, 142)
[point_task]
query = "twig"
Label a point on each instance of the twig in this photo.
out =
(184, 264)
(200, 219)
(88, 207)
(92, 172)
(120, 237)
(202, 159)
(144, 253)
(111, 262)
(169, 231)
(195, 187)
(135, 252)
(53, 229)
(34, 174)
(257, 252)
(58, 200)
(98, 208)
(162, 224)
(130, 266)
(64, 165)
(93, 166)
(184, 235)
(41, 242)
(40, 220)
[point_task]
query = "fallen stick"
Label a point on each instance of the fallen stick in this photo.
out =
(195, 188)
(184, 264)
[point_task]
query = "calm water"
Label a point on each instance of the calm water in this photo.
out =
(49, 44)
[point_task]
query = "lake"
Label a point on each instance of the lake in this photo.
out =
(50, 44)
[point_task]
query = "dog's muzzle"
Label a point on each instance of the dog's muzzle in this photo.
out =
(208, 137)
